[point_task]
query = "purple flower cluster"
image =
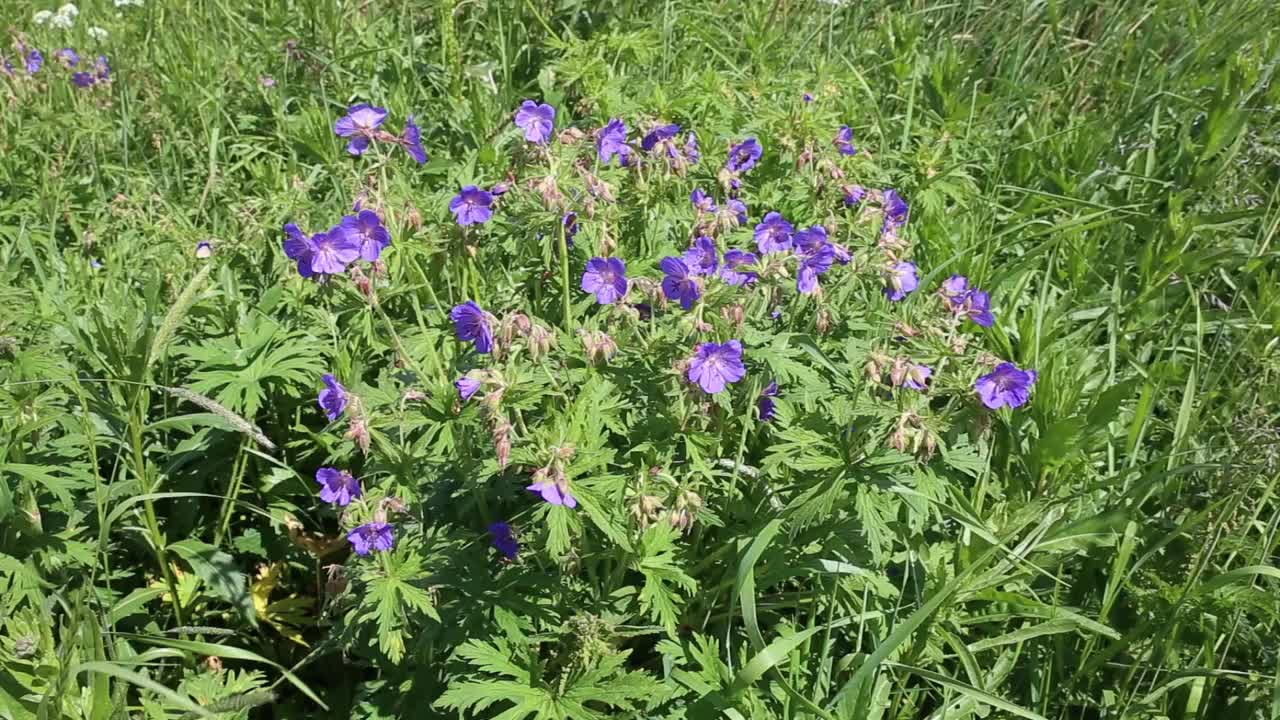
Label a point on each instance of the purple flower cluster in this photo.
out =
(967, 302)
(363, 123)
(844, 141)
(359, 236)
(33, 62)
(662, 142)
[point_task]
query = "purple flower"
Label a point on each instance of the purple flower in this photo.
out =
(702, 201)
(337, 486)
(808, 97)
(812, 265)
(102, 68)
(333, 398)
(504, 540)
(702, 258)
(810, 240)
(82, 79)
(954, 289)
(977, 307)
(411, 141)
(555, 492)
(613, 142)
(662, 133)
(472, 205)
(853, 194)
(607, 278)
(332, 251)
(471, 323)
(372, 536)
(467, 387)
(902, 281)
(298, 247)
(895, 210)
(1006, 386)
(5, 66)
(204, 249)
(358, 124)
(692, 152)
(365, 229)
(536, 120)
(767, 407)
(679, 283)
(968, 302)
(35, 61)
(734, 259)
(844, 141)
(570, 222)
(715, 365)
(739, 210)
(917, 377)
(841, 253)
(774, 234)
(744, 156)
(68, 57)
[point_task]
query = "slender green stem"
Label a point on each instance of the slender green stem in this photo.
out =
(158, 541)
(564, 279)
(228, 503)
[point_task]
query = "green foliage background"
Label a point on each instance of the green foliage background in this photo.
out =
(1109, 171)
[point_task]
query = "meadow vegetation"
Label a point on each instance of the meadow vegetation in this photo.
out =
(405, 359)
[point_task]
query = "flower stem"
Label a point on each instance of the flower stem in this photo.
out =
(564, 279)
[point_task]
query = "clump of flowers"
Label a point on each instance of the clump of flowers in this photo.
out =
(724, 287)
(363, 126)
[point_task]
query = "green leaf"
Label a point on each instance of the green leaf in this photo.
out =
(219, 572)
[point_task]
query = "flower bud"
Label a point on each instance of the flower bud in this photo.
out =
(824, 321)
(336, 579)
(571, 136)
(735, 314)
(540, 340)
(358, 430)
(600, 347)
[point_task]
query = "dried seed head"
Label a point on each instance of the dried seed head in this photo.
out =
(824, 320)
(540, 341)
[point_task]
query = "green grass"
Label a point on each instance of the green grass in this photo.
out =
(1108, 171)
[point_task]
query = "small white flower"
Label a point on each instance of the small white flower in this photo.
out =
(70, 10)
(42, 17)
(127, 3)
(97, 33)
(62, 21)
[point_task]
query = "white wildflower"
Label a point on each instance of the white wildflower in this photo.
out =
(42, 17)
(97, 33)
(69, 10)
